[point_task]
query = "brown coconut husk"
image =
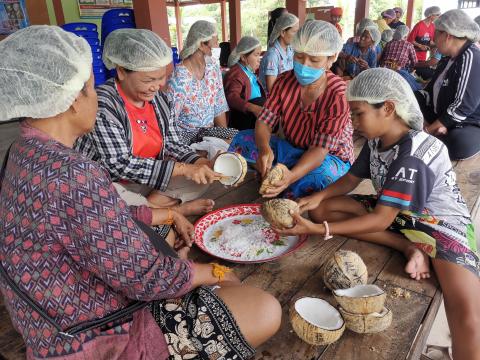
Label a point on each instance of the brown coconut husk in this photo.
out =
(343, 270)
(277, 212)
(361, 304)
(367, 323)
(273, 175)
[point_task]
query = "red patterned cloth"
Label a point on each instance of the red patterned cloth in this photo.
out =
(70, 242)
(325, 123)
(401, 52)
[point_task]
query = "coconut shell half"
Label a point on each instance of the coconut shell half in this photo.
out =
(344, 270)
(273, 175)
(277, 212)
(233, 166)
(367, 323)
(316, 322)
(361, 299)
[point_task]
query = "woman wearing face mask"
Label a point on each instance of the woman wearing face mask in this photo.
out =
(279, 56)
(195, 91)
(309, 104)
(245, 95)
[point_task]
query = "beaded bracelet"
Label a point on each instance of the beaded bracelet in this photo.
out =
(219, 271)
(327, 231)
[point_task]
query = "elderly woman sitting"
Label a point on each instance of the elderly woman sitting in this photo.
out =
(310, 106)
(279, 55)
(196, 93)
(97, 269)
(451, 101)
(358, 56)
(244, 93)
(135, 138)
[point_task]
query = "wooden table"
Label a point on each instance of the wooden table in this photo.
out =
(299, 274)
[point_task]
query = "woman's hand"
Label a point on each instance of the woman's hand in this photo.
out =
(436, 128)
(310, 202)
(277, 187)
(201, 173)
(254, 109)
(264, 161)
(363, 64)
(184, 228)
(302, 226)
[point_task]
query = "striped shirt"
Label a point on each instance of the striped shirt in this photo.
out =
(110, 142)
(401, 53)
(324, 123)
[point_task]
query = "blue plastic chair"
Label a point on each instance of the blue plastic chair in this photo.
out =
(96, 50)
(87, 34)
(113, 14)
(80, 26)
(107, 30)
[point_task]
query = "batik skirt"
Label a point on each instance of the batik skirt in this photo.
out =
(200, 326)
(318, 179)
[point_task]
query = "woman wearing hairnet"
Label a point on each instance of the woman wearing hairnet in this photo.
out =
(386, 37)
(358, 56)
(422, 33)
(309, 105)
(451, 101)
(196, 93)
(398, 15)
(62, 219)
(418, 210)
(245, 95)
(386, 17)
(399, 53)
(279, 56)
(135, 137)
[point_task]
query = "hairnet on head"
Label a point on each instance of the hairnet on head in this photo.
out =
(401, 32)
(389, 14)
(398, 9)
(387, 35)
(360, 28)
(245, 45)
(477, 20)
(42, 70)
(317, 38)
(459, 24)
(199, 32)
(283, 22)
(136, 50)
(374, 34)
(432, 10)
(381, 84)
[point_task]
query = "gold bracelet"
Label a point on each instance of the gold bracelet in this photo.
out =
(170, 220)
(219, 271)
(181, 168)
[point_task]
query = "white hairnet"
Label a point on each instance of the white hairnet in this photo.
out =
(136, 50)
(432, 10)
(245, 45)
(401, 32)
(381, 84)
(199, 32)
(283, 22)
(360, 28)
(317, 38)
(477, 20)
(387, 35)
(42, 70)
(374, 33)
(459, 24)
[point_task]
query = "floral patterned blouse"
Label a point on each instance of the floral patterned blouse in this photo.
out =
(196, 102)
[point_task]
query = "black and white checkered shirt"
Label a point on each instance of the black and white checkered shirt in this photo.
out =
(110, 143)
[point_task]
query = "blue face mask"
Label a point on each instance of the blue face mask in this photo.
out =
(306, 74)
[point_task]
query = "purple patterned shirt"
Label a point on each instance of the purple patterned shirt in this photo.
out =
(69, 241)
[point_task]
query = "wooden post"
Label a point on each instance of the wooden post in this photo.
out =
(223, 15)
(297, 8)
(235, 22)
(410, 8)
(58, 8)
(37, 12)
(178, 19)
(152, 15)
(361, 11)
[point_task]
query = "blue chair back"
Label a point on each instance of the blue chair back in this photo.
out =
(80, 26)
(113, 14)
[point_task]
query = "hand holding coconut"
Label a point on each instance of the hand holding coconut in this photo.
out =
(301, 226)
(199, 173)
(265, 160)
(310, 202)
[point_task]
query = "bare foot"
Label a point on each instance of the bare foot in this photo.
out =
(418, 263)
(195, 207)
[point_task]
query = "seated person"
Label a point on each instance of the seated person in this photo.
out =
(398, 15)
(399, 53)
(195, 91)
(426, 69)
(451, 101)
(309, 105)
(135, 138)
(279, 55)
(386, 37)
(386, 17)
(423, 32)
(336, 14)
(358, 56)
(418, 209)
(245, 95)
(87, 246)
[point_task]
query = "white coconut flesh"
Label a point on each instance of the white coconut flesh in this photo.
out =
(360, 291)
(230, 166)
(319, 313)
